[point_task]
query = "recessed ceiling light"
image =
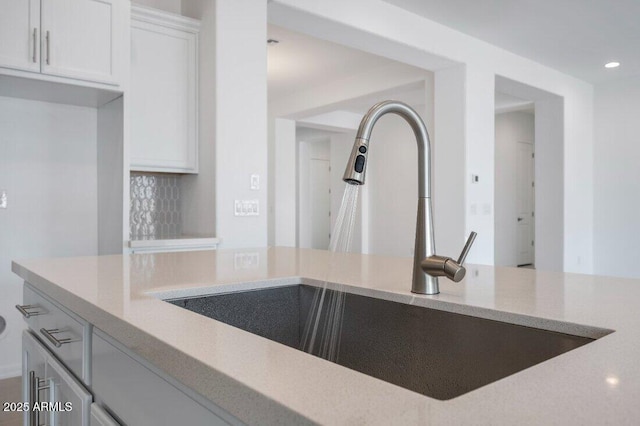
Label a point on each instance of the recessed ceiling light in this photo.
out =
(612, 64)
(273, 41)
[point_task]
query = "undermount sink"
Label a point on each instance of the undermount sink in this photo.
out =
(436, 353)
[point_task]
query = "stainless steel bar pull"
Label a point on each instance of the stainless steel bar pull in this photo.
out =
(48, 42)
(27, 311)
(35, 45)
(49, 334)
(33, 397)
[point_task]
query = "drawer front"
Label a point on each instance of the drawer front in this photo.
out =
(138, 396)
(67, 337)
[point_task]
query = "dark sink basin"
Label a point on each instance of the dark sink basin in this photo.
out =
(436, 353)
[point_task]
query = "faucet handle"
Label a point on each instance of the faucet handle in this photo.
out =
(454, 269)
(467, 247)
(439, 266)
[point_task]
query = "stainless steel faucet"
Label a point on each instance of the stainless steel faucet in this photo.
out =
(427, 266)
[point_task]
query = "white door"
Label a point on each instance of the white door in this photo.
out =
(20, 34)
(525, 203)
(78, 39)
(320, 203)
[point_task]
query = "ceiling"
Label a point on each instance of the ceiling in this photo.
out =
(299, 62)
(509, 103)
(576, 37)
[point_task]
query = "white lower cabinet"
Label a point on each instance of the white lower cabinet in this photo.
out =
(100, 417)
(138, 396)
(61, 365)
(55, 396)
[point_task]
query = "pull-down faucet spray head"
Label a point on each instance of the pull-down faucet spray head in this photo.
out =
(357, 164)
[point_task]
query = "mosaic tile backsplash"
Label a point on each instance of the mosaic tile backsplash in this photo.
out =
(155, 206)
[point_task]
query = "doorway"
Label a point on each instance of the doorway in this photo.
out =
(514, 182)
(533, 116)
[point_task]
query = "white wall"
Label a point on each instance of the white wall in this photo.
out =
(557, 226)
(112, 180)
(48, 168)
(240, 119)
(617, 175)
(233, 122)
(511, 128)
(285, 178)
(449, 161)
(198, 192)
(396, 33)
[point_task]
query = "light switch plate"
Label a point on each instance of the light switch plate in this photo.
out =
(3, 199)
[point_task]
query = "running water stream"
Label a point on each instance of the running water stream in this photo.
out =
(323, 326)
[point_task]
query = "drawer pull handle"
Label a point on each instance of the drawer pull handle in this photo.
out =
(48, 43)
(35, 45)
(49, 334)
(27, 310)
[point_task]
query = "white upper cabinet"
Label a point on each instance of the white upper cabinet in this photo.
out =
(164, 97)
(77, 39)
(20, 34)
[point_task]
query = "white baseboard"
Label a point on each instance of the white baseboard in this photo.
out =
(8, 371)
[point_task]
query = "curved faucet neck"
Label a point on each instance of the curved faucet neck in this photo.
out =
(419, 130)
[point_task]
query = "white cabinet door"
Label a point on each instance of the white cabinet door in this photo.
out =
(71, 400)
(164, 81)
(55, 396)
(100, 417)
(79, 38)
(33, 369)
(20, 34)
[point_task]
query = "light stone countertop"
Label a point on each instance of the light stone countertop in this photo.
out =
(264, 382)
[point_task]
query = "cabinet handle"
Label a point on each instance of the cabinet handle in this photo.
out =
(33, 397)
(47, 40)
(25, 313)
(36, 384)
(49, 335)
(35, 45)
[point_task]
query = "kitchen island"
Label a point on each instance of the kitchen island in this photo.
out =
(258, 381)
